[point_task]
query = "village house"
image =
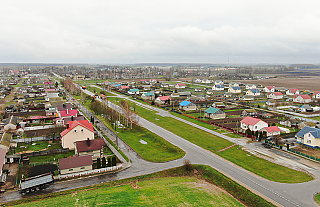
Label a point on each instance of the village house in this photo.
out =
(187, 106)
(247, 98)
(269, 89)
(218, 82)
(235, 89)
(133, 91)
(214, 113)
(253, 92)
(75, 164)
(90, 147)
(306, 108)
(316, 95)
(271, 131)
(251, 86)
(218, 87)
(67, 113)
(148, 96)
(163, 100)
(233, 84)
(180, 85)
(77, 131)
(291, 122)
(303, 124)
(304, 98)
(309, 136)
(249, 112)
(292, 92)
(218, 105)
(275, 95)
(253, 124)
(124, 88)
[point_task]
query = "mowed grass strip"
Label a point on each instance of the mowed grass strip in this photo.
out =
(264, 168)
(192, 134)
(156, 150)
(317, 198)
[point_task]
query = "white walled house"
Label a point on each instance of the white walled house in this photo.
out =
(316, 95)
(275, 95)
(77, 131)
(309, 136)
(292, 92)
(302, 99)
(235, 89)
(251, 86)
(271, 131)
(75, 164)
(180, 85)
(269, 89)
(253, 92)
(218, 87)
(253, 124)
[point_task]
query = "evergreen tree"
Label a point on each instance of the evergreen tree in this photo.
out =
(114, 162)
(104, 162)
(109, 162)
(98, 163)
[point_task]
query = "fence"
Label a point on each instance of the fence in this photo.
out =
(47, 152)
(304, 155)
(89, 172)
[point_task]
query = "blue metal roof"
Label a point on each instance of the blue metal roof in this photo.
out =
(307, 129)
(219, 86)
(255, 90)
(236, 88)
(184, 103)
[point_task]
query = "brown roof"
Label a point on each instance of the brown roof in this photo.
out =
(95, 144)
(68, 106)
(73, 162)
(75, 118)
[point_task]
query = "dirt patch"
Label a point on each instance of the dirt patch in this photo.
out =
(206, 186)
(134, 185)
(308, 151)
(302, 83)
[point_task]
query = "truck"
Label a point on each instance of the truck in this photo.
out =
(83, 87)
(36, 183)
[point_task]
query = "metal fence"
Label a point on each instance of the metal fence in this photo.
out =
(89, 172)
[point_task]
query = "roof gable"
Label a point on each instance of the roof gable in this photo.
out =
(89, 145)
(73, 124)
(250, 120)
(68, 113)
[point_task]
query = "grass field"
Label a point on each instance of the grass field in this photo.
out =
(199, 186)
(263, 168)
(156, 150)
(170, 191)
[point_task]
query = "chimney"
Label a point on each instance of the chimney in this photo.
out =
(67, 111)
(72, 119)
(64, 105)
(88, 142)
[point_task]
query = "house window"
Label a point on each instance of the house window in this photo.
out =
(75, 130)
(309, 141)
(81, 130)
(82, 168)
(70, 169)
(255, 127)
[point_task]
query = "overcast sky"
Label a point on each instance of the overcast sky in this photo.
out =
(245, 31)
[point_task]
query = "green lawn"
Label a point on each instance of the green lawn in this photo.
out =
(156, 150)
(173, 187)
(170, 191)
(317, 198)
(263, 168)
(51, 158)
(37, 146)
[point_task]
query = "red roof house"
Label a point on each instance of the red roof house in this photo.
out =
(68, 113)
(77, 131)
(271, 131)
(302, 99)
(90, 147)
(253, 124)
